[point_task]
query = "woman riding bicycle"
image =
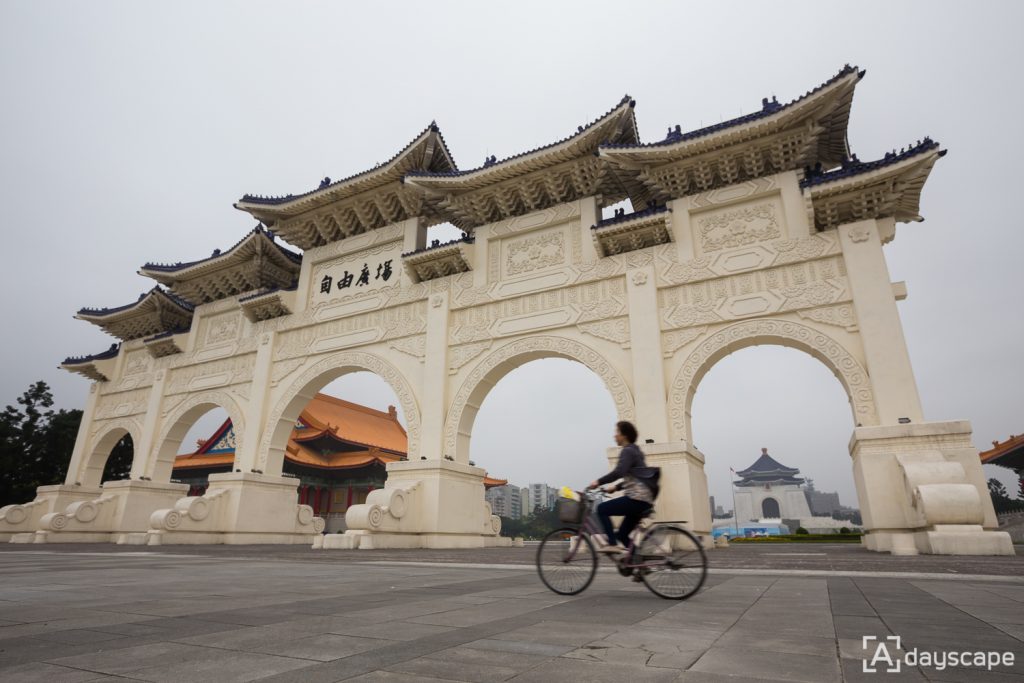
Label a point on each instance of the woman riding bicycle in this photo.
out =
(638, 498)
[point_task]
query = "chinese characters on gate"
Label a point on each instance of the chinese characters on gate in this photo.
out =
(383, 274)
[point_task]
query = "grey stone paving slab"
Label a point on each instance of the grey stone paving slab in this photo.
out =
(40, 672)
(314, 618)
(754, 663)
(391, 677)
(567, 669)
(757, 639)
(178, 662)
(513, 660)
(390, 630)
(705, 677)
(559, 633)
(454, 671)
(520, 646)
(325, 647)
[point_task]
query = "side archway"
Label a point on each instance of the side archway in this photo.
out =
(174, 428)
(90, 472)
(782, 333)
(301, 391)
(470, 396)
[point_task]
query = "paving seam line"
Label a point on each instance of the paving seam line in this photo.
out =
(730, 571)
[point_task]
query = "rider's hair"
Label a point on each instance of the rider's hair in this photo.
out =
(627, 430)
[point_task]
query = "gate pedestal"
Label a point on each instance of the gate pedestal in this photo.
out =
(117, 511)
(237, 508)
(922, 490)
(19, 522)
(424, 504)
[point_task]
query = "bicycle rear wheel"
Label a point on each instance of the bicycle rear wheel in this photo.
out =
(673, 562)
(566, 561)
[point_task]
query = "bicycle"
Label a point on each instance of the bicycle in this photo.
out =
(667, 558)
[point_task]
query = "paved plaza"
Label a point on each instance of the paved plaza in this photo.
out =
(767, 613)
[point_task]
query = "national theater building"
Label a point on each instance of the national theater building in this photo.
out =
(338, 451)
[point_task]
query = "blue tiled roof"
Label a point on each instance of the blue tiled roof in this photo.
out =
(491, 161)
(158, 291)
(468, 239)
(766, 464)
(768, 107)
(855, 166)
(259, 229)
(103, 355)
(649, 211)
(270, 201)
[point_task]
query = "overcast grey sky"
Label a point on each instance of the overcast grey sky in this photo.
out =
(129, 128)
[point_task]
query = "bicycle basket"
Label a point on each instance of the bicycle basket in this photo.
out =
(570, 511)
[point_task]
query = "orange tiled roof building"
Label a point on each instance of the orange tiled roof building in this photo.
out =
(338, 450)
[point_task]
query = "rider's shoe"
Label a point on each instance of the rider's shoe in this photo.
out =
(612, 549)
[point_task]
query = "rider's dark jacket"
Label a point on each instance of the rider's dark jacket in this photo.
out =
(630, 458)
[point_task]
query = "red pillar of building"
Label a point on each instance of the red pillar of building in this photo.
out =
(303, 492)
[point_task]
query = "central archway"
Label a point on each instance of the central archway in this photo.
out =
(730, 339)
(301, 391)
(467, 401)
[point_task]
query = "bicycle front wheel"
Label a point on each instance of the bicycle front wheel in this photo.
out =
(566, 561)
(673, 564)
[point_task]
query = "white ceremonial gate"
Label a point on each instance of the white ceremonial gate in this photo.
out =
(759, 230)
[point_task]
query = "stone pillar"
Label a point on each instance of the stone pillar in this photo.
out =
(144, 460)
(885, 349)
(590, 215)
(645, 348)
(256, 410)
(435, 381)
(922, 490)
(80, 453)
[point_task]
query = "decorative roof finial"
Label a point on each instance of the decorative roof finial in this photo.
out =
(325, 182)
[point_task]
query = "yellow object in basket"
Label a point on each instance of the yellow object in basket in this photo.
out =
(566, 492)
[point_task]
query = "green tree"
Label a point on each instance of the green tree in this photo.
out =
(36, 443)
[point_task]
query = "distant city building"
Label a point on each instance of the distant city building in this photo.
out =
(542, 496)
(821, 503)
(508, 501)
(527, 501)
(711, 504)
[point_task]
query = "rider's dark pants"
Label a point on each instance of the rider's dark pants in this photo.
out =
(631, 511)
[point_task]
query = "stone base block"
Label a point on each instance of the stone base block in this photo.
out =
(123, 507)
(25, 518)
(239, 508)
(158, 537)
(964, 541)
